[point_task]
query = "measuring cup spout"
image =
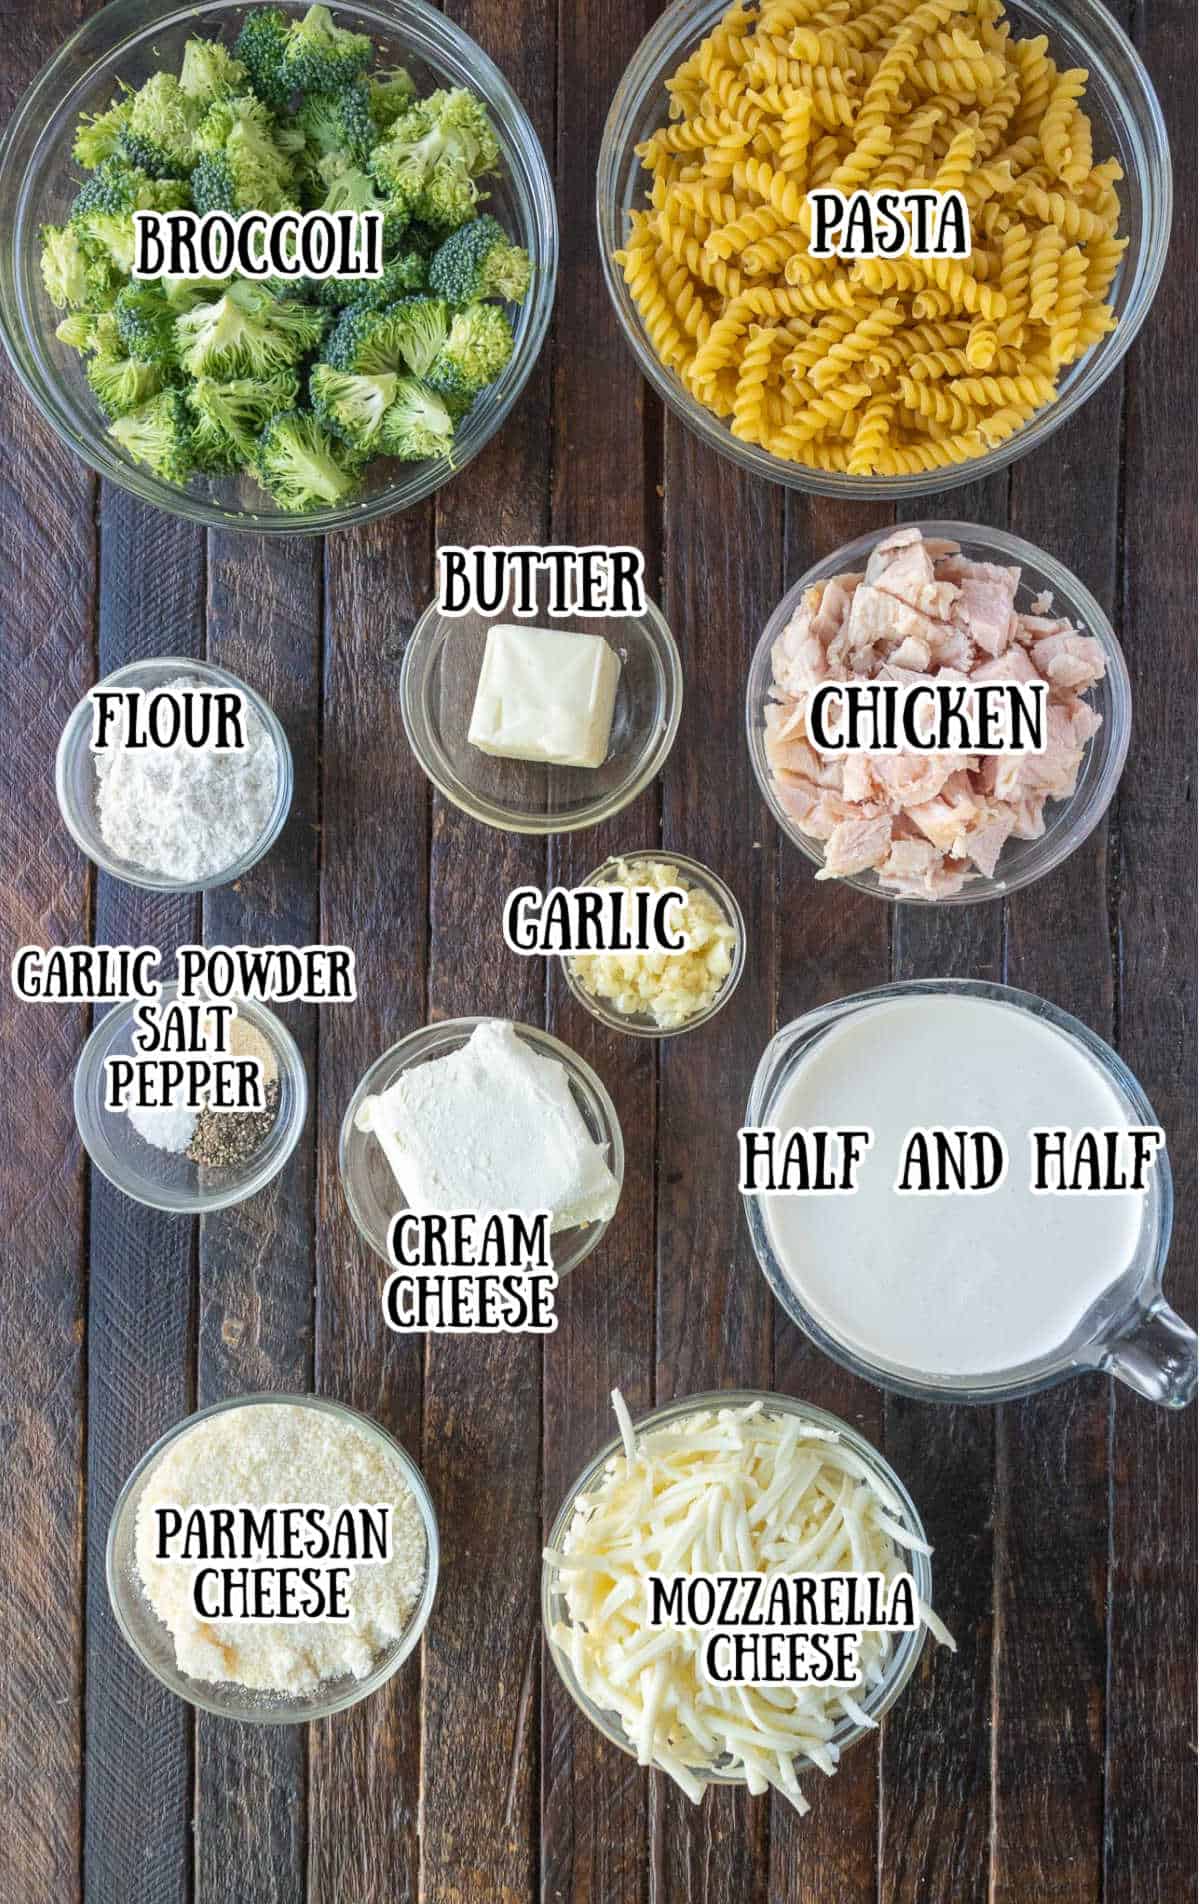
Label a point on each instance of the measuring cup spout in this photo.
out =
(1156, 1356)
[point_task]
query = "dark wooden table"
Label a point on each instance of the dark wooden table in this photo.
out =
(1052, 1760)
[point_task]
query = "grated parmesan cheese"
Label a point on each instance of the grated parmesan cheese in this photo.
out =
(730, 1490)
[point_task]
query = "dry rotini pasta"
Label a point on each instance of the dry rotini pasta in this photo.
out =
(881, 366)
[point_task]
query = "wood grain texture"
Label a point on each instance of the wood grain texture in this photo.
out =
(257, 1265)
(713, 1314)
(374, 867)
(1150, 1841)
(47, 586)
(594, 1798)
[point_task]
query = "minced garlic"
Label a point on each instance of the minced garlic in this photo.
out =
(669, 987)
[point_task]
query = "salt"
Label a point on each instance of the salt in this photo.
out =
(169, 1128)
(186, 813)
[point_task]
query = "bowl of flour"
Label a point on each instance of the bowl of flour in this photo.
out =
(284, 1464)
(179, 818)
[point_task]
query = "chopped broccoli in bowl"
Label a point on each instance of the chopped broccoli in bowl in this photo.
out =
(299, 384)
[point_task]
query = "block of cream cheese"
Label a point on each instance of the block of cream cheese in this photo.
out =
(545, 694)
(493, 1126)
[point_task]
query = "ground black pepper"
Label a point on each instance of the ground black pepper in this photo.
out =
(227, 1139)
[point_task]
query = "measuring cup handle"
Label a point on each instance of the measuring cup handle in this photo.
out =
(1157, 1357)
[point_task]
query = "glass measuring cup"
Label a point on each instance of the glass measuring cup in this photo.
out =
(1130, 1331)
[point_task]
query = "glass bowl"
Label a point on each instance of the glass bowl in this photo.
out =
(438, 679)
(908, 1646)
(153, 1644)
(131, 39)
(1068, 822)
(1128, 123)
(75, 781)
(372, 1191)
(1130, 1331)
(641, 1024)
(168, 1180)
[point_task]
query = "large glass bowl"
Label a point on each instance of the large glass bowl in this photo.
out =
(908, 1646)
(1128, 124)
(131, 39)
(151, 1640)
(1068, 822)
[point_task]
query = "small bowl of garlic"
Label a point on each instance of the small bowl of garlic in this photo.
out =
(657, 994)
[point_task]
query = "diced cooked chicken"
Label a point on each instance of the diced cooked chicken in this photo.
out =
(1070, 662)
(856, 845)
(923, 612)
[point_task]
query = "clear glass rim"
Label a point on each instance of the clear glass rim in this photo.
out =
(420, 1616)
(1000, 1385)
(430, 634)
(531, 181)
(436, 1040)
(908, 1652)
(175, 1200)
(1071, 597)
(708, 881)
(685, 22)
(74, 741)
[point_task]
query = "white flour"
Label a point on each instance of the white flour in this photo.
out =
(272, 1453)
(186, 813)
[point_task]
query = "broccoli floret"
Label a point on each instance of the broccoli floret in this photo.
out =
(417, 423)
(64, 265)
(352, 407)
(259, 46)
(433, 155)
(159, 434)
(146, 325)
(400, 337)
(401, 277)
(240, 165)
(230, 417)
(390, 94)
(477, 261)
(210, 71)
(98, 133)
(246, 333)
(90, 330)
(348, 189)
(103, 210)
(299, 462)
(337, 125)
(478, 347)
(118, 384)
(159, 134)
(318, 56)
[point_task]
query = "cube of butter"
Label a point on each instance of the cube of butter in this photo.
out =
(545, 694)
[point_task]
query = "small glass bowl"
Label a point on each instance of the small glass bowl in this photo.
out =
(438, 680)
(1128, 124)
(76, 784)
(908, 1646)
(641, 1024)
(130, 40)
(169, 1180)
(1068, 822)
(372, 1191)
(153, 1644)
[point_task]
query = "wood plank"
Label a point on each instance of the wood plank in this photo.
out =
(140, 1299)
(47, 582)
(831, 941)
(593, 1797)
(934, 1825)
(257, 1261)
(1052, 1451)
(373, 847)
(1151, 1762)
(714, 1321)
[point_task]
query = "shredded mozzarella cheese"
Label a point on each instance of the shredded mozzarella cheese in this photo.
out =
(732, 1490)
